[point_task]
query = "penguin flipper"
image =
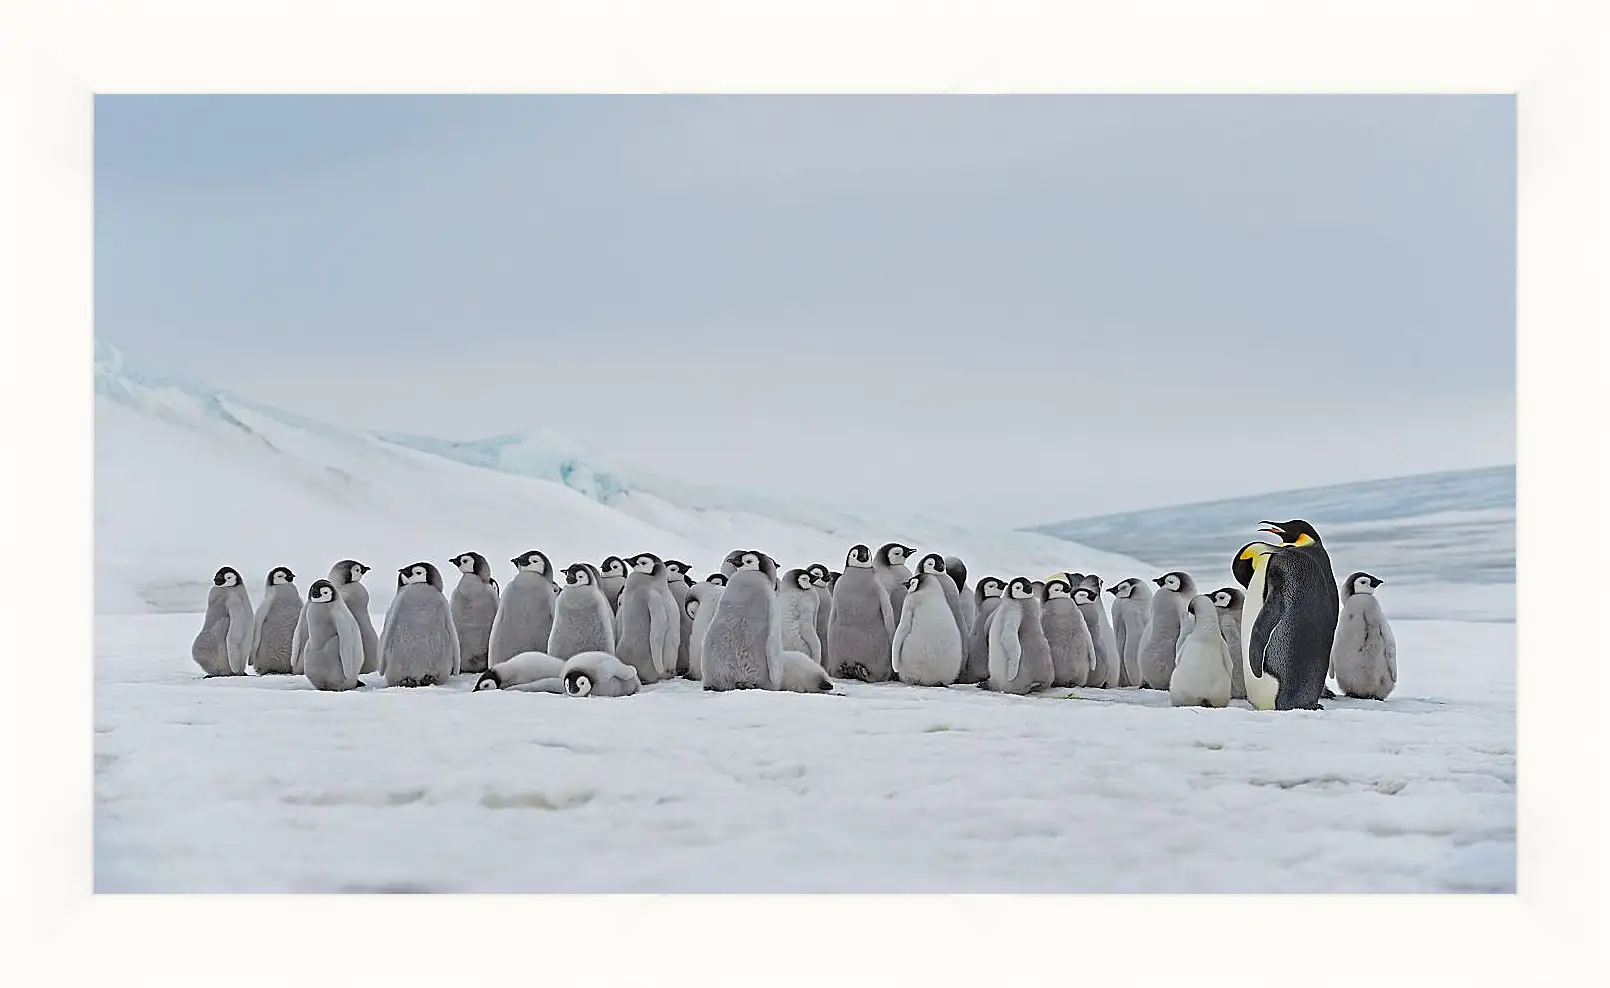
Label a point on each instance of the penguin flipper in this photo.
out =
(1269, 618)
(453, 645)
(1011, 647)
(902, 631)
(298, 641)
(257, 625)
(349, 639)
(661, 625)
(241, 639)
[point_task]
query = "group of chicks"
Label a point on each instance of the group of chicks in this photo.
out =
(607, 630)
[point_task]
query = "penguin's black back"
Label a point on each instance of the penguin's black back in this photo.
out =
(1297, 624)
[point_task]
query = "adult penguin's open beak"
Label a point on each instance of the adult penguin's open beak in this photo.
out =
(1272, 528)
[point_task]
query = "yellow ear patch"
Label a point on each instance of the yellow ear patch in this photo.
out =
(1304, 539)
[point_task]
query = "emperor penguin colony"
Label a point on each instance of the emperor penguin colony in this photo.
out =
(636, 620)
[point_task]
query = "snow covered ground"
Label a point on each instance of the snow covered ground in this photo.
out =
(263, 784)
(266, 785)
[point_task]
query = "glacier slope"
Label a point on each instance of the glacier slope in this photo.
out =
(188, 479)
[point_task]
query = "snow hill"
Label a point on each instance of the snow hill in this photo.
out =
(1444, 542)
(189, 478)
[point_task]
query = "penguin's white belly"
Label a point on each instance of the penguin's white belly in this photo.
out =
(1261, 690)
(1200, 678)
(931, 655)
(795, 620)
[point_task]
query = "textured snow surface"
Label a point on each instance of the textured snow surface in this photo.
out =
(263, 784)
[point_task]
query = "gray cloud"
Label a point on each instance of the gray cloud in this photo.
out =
(1048, 306)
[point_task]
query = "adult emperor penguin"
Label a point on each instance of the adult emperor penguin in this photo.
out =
(648, 621)
(1073, 650)
(475, 607)
(987, 597)
(798, 603)
(347, 578)
(743, 645)
(933, 564)
(822, 582)
(419, 643)
(276, 620)
(1229, 601)
(860, 631)
(1364, 656)
(612, 576)
(964, 594)
(1301, 535)
(801, 675)
(334, 650)
(524, 610)
(1109, 661)
(599, 674)
(224, 645)
(1131, 611)
(889, 563)
(677, 578)
(537, 672)
(928, 649)
(1288, 624)
(1201, 676)
(1019, 655)
(701, 607)
(1157, 642)
(582, 619)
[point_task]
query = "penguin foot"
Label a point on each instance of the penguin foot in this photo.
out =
(408, 682)
(427, 680)
(1327, 694)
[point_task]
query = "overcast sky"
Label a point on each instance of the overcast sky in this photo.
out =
(993, 309)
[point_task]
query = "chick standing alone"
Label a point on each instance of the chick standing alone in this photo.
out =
(1365, 654)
